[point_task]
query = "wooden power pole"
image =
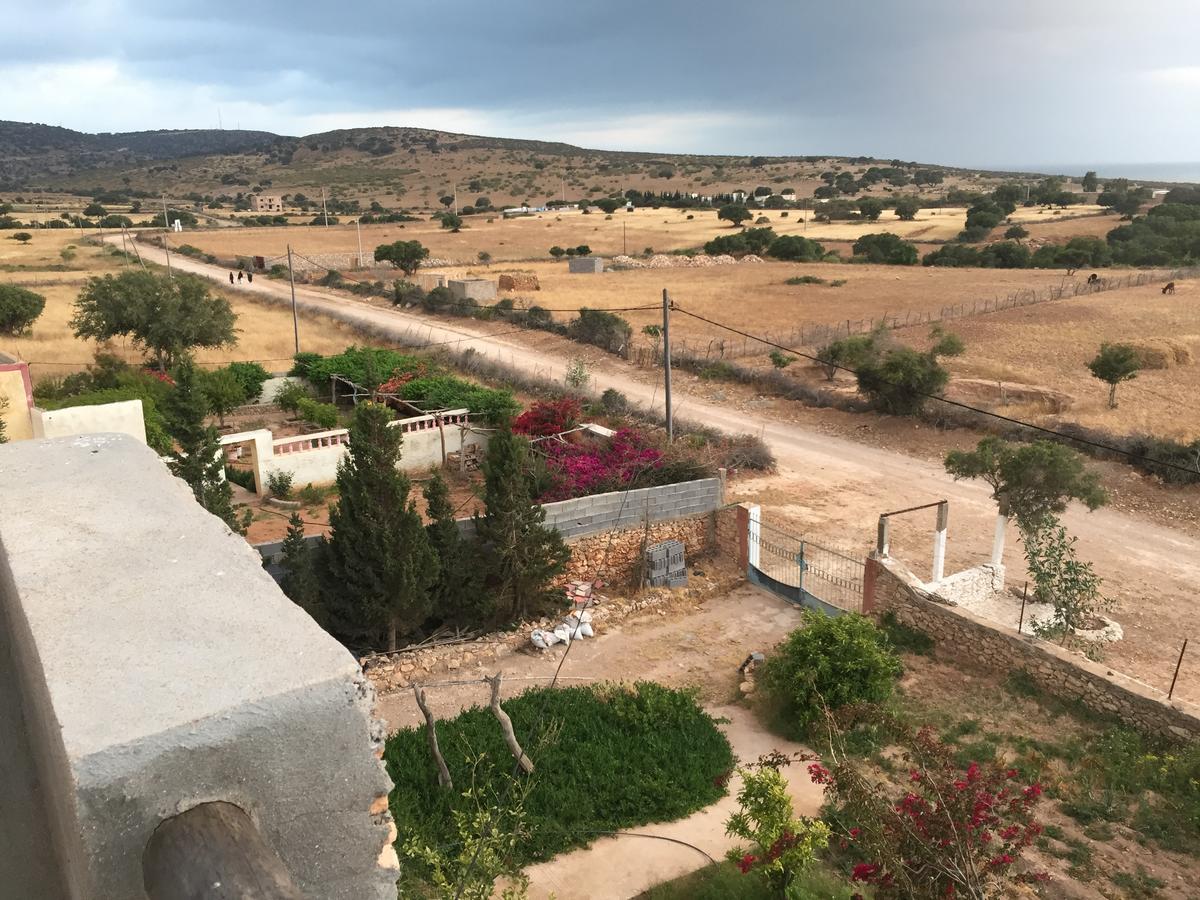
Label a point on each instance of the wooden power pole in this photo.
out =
(666, 335)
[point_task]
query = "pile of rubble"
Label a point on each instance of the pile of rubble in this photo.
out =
(520, 281)
(661, 261)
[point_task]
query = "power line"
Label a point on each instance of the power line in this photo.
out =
(984, 412)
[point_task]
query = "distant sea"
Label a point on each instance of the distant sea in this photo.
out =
(1181, 171)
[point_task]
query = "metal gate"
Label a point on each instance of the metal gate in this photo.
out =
(803, 571)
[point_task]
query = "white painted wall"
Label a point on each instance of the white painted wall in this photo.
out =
(317, 462)
(122, 417)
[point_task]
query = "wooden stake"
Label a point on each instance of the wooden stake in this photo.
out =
(431, 735)
(506, 726)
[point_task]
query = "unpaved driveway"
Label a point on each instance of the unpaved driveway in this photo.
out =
(839, 487)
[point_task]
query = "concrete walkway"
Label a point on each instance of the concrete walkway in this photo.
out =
(616, 868)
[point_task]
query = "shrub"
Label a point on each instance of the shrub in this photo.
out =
(902, 381)
(448, 392)
(848, 353)
(795, 248)
(602, 329)
(546, 417)
(805, 279)
(323, 415)
(887, 248)
(828, 663)
(251, 376)
(19, 309)
(1016, 232)
(748, 451)
(279, 483)
(668, 752)
(242, 477)
(289, 395)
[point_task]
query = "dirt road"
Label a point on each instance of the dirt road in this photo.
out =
(837, 487)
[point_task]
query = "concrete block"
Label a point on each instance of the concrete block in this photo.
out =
(481, 289)
(585, 265)
(146, 642)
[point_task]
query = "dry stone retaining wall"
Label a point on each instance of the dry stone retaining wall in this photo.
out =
(890, 587)
(398, 671)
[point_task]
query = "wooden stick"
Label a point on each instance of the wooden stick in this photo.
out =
(506, 726)
(431, 735)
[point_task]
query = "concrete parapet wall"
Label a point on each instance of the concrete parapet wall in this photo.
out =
(144, 638)
(890, 587)
(122, 417)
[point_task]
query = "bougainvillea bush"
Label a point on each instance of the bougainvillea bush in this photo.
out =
(578, 464)
(948, 832)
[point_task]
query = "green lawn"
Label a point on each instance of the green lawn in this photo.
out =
(723, 881)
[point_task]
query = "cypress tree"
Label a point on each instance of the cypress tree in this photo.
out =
(523, 555)
(380, 566)
(197, 454)
(456, 596)
(300, 571)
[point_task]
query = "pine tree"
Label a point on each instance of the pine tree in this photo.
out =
(300, 571)
(380, 565)
(456, 596)
(197, 457)
(523, 554)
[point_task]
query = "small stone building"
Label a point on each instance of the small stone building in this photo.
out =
(266, 203)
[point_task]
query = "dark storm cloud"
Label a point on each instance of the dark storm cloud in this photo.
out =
(1006, 82)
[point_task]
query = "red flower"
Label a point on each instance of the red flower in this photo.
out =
(855, 832)
(1033, 791)
(746, 863)
(864, 872)
(1011, 773)
(819, 774)
(914, 775)
(1002, 860)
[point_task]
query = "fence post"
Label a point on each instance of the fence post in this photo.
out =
(1178, 663)
(881, 537)
(939, 540)
(753, 537)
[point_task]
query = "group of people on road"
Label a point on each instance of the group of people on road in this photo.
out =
(249, 276)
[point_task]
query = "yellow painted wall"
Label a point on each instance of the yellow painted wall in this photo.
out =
(17, 424)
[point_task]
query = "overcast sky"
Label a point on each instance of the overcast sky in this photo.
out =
(1006, 82)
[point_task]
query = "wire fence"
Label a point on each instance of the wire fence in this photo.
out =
(819, 334)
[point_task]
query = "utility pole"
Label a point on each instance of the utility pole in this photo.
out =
(667, 363)
(624, 249)
(358, 228)
(166, 231)
(324, 211)
(292, 282)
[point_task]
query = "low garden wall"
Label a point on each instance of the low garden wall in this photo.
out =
(314, 458)
(628, 509)
(890, 587)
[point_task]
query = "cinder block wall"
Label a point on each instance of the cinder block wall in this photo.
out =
(144, 639)
(622, 510)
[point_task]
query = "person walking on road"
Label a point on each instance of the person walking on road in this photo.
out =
(249, 278)
(231, 278)
(241, 275)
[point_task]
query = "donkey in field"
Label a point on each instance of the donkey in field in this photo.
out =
(1169, 287)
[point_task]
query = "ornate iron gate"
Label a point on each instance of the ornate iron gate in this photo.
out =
(803, 571)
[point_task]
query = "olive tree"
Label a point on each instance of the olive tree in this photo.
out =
(406, 256)
(168, 317)
(19, 308)
(1113, 364)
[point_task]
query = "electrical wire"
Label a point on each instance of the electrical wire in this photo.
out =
(955, 403)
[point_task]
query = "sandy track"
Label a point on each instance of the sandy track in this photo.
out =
(1150, 569)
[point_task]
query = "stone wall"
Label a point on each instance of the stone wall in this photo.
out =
(397, 671)
(889, 586)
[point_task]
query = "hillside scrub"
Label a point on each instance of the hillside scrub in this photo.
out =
(618, 756)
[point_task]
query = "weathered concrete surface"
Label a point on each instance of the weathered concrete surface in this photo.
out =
(123, 417)
(146, 640)
(27, 865)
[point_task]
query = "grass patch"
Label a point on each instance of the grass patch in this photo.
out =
(805, 279)
(619, 756)
(905, 638)
(1138, 884)
(723, 881)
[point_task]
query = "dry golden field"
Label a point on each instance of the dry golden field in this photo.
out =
(1049, 346)
(531, 237)
(265, 331)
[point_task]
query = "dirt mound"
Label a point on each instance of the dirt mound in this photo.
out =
(975, 390)
(522, 281)
(1162, 353)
